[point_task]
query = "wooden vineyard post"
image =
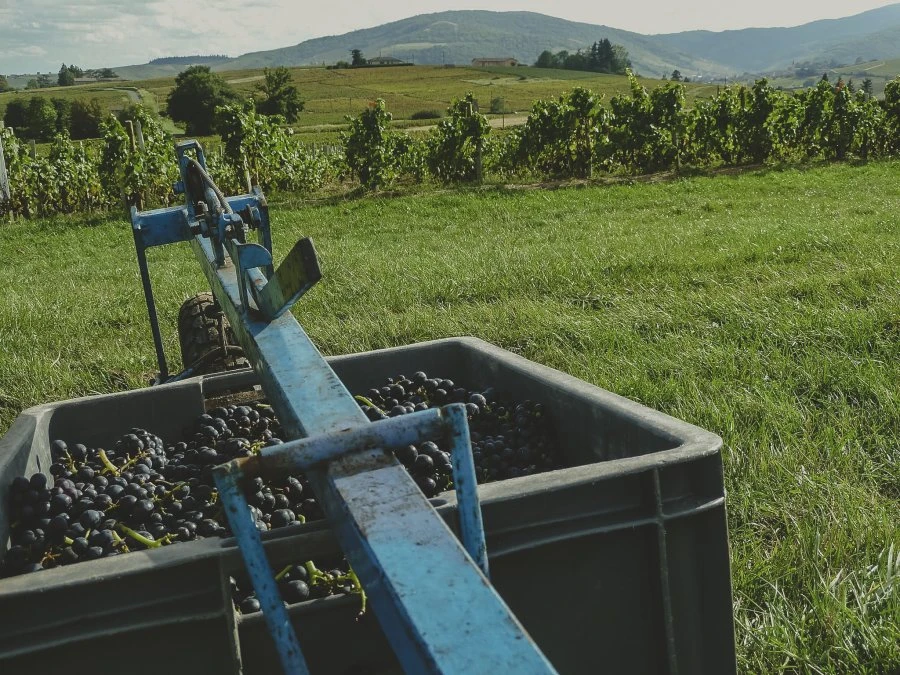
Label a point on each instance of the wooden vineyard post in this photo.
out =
(130, 125)
(140, 134)
(139, 198)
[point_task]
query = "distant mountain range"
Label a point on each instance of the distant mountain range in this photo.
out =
(457, 37)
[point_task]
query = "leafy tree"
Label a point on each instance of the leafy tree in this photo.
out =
(86, 118)
(545, 60)
(41, 119)
(107, 74)
(4, 84)
(621, 61)
(197, 93)
(16, 115)
(357, 58)
(498, 105)
(63, 114)
(867, 86)
(280, 97)
(601, 57)
(676, 76)
(576, 61)
(66, 78)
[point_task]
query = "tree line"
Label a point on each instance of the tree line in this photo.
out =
(40, 118)
(601, 57)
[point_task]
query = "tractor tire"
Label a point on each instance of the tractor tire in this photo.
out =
(200, 323)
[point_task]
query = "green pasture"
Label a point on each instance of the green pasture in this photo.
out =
(764, 306)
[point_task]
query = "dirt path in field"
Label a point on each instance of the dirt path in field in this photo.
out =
(241, 80)
(132, 94)
(495, 122)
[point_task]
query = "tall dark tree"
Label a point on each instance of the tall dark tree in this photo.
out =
(867, 86)
(197, 93)
(4, 84)
(280, 97)
(86, 118)
(603, 57)
(16, 115)
(545, 60)
(357, 58)
(63, 114)
(66, 78)
(41, 119)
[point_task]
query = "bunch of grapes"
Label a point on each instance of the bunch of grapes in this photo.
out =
(142, 493)
(300, 582)
(509, 439)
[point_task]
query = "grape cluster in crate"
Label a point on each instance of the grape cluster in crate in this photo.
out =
(142, 493)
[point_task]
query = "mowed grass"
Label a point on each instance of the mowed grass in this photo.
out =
(763, 306)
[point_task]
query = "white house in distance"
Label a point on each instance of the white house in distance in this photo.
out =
(509, 61)
(385, 61)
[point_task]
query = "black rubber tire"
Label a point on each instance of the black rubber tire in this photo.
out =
(198, 335)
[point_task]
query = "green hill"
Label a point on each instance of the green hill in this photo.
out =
(460, 36)
(870, 35)
(457, 37)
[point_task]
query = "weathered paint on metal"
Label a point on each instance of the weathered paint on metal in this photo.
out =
(298, 273)
(307, 453)
(434, 604)
(244, 528)
(406, 557)
(450, 422)
(471, 527)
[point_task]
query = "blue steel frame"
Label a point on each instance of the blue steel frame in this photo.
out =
(434, 602)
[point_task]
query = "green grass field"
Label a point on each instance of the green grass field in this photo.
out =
(764, 306)
(332, 94)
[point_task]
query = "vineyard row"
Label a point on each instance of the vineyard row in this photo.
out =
(573, 136)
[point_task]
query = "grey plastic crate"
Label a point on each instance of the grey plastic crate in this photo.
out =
(617, 564)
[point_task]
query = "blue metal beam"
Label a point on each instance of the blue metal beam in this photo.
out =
(435, 606)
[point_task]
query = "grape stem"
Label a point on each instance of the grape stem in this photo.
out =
(365, 401)
(110, 467)
(141, 539)
(357, 588)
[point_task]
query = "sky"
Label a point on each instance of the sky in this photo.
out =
(39, 35)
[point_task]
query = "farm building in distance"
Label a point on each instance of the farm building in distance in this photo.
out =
(385, 61)
(495, 62)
